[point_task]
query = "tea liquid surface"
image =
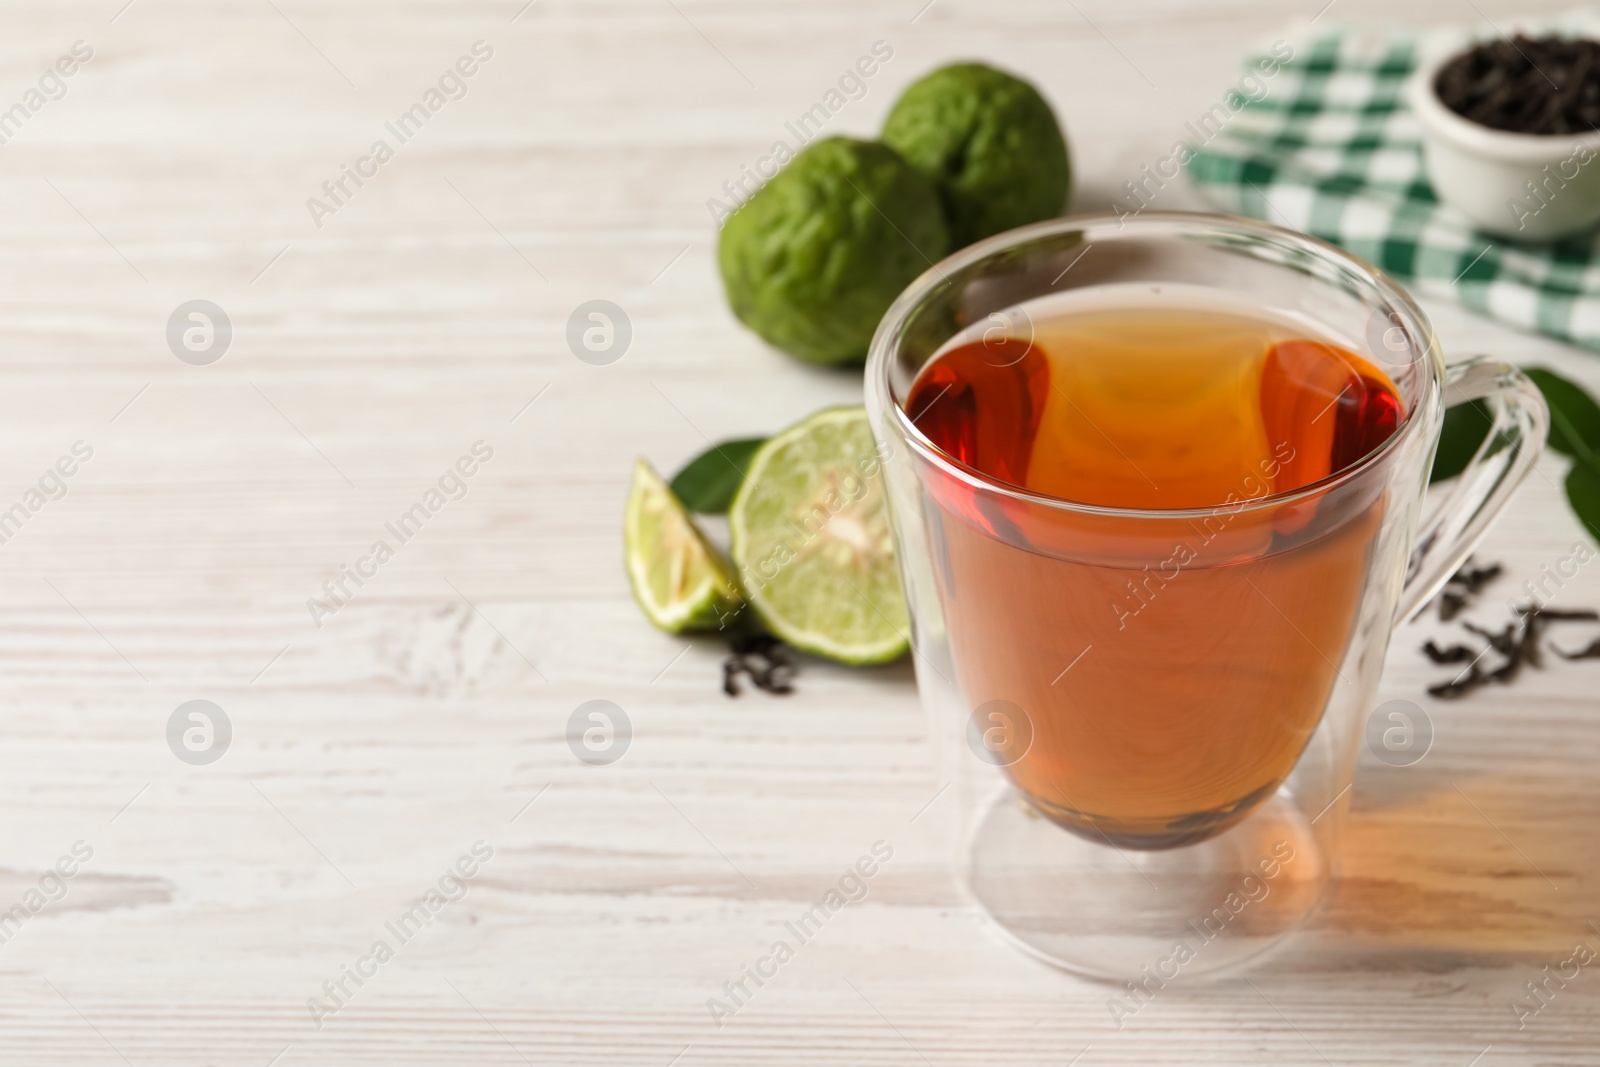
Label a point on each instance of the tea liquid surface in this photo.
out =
(1198, 673)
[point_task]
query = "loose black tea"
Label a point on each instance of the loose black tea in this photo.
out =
(1591, 651)
(1453, 654)
(763, 659)
(1543, 85)
(1463, 585)
(1517, 644)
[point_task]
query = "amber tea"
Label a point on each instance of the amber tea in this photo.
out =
(1163, 702)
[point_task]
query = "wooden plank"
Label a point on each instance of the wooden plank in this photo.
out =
(372, 752)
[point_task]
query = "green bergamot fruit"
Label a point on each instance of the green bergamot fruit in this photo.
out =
(989, 142)
(813, 260)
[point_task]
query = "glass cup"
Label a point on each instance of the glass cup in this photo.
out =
(1144, 794)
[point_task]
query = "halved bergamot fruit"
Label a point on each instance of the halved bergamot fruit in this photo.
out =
(812, 544)
(677, 576)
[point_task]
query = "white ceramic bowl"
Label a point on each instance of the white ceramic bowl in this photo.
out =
(1530, 187)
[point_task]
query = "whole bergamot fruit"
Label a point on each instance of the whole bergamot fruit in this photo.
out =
(989, 142)
(813, 260)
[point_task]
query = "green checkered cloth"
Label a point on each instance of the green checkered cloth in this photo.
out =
(1333, 151)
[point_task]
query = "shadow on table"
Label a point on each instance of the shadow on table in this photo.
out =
(1449, 867)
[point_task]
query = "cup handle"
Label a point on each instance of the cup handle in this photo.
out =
(1509, 451)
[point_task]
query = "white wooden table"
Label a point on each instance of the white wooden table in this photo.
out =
(429, 712)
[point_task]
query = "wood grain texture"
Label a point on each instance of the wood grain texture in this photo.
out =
(370, 753)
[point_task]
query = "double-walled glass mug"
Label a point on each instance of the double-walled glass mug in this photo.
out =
(1150, 710)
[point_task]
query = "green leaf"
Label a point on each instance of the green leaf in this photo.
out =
(707, 483)
(1574, 416)
(1575, 432)
(1583, 491)
(1465, 427)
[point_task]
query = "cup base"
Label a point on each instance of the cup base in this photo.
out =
(1146, 917)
